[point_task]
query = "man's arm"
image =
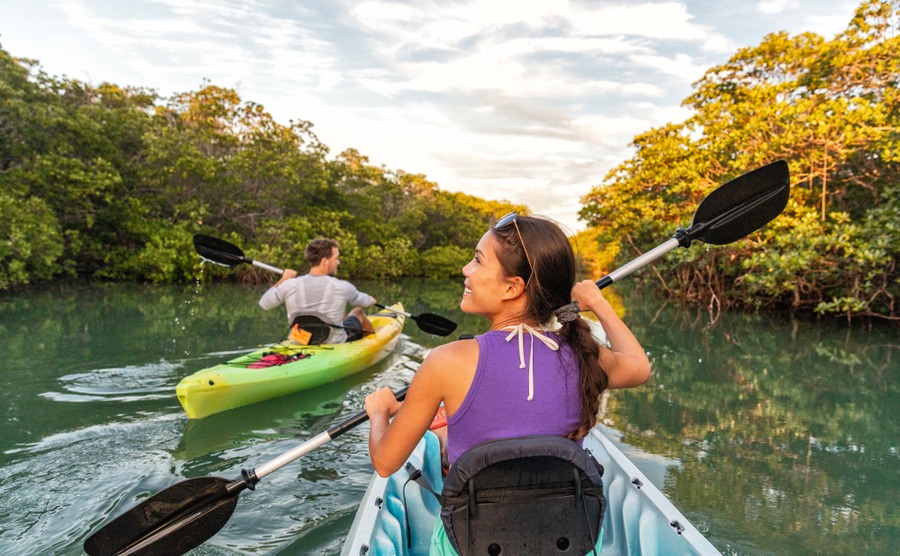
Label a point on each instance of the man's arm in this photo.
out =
(270, 299)
(358, 298)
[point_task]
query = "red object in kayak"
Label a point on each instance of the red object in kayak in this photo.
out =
(440, 419)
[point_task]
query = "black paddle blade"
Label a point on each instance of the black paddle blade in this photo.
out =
(428, 322)
(218, 251)
(743, 205)
(173, 521)
(435, 324)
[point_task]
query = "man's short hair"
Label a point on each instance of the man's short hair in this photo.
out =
(318, 249)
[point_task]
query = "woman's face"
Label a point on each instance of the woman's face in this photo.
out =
(485, 283)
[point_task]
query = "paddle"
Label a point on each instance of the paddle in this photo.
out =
(731, 212)
(431, 323)
(227, 254)
(188, 513)
(222, 253)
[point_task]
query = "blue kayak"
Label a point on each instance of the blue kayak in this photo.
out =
(639, 519)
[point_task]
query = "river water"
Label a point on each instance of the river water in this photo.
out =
(772, 435)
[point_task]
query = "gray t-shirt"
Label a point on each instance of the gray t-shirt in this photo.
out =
(323, 296)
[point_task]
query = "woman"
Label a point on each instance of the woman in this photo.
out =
(517, 379)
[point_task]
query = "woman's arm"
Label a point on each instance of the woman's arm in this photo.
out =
(625, 362)
(443, 377)
(397, 427)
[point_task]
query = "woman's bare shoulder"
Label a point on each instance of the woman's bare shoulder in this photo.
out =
(453, 351)
(451, 357)
(450, 370)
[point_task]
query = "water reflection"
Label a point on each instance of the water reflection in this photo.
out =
(785, 431)
(772, 435)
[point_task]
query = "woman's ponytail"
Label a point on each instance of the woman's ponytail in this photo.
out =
(592, 378)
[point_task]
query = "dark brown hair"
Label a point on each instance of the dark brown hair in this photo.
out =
(318, 249)
(551, 288)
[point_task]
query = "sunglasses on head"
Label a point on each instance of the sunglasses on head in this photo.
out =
(505, 221)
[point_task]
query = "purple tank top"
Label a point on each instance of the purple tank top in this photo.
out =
(497, 406)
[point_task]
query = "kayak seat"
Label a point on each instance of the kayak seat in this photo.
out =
(529, 495)
(318, 330)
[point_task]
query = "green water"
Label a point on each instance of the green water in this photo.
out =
(772, 435)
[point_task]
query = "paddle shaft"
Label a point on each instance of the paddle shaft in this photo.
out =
(730, 212)
(637, 263)
(395, 311)
(268, 267)
(318, 440)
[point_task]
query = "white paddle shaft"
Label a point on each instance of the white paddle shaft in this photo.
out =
(643, 260)
(268, 267)
(288, 457)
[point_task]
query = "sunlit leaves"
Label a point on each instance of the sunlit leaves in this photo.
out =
(831, 109)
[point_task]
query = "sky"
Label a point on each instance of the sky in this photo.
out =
(528, 101)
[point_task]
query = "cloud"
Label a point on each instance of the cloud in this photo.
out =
(525, 48)
(224, 41)
(681, 65)
(775, 6)
(530, 101)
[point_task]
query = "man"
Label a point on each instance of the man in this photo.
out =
(320, 294)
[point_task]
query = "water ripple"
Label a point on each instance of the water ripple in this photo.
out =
(131, 383)
(116, 431)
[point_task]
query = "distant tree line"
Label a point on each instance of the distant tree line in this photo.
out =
(112, 183)
(831, 109)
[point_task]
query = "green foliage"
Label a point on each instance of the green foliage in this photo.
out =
(167, 256)
(445, 261)
(832, 110)
(117, 181)
(391, 259)
(31, 240)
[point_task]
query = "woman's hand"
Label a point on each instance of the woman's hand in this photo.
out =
(588, 296)
(625, 362)
(382, 403)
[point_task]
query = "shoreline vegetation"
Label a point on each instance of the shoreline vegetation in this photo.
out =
(110, 182)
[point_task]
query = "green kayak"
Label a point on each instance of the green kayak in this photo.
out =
(284, 368)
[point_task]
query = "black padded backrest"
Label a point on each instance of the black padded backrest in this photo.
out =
(530, 495)
(319, 329)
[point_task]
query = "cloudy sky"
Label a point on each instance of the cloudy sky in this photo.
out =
(531, 101)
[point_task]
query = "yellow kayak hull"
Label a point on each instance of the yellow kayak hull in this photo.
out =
(234, 384)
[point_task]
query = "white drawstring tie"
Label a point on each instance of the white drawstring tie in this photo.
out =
(519, 330)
